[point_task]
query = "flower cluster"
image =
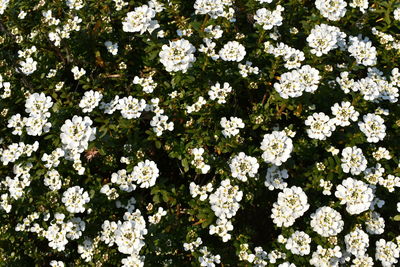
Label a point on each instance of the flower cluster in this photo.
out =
(327, 221)
(231, 126)
(177, 56)
(225, 203)
(324, 38)
(291, 204)
(355, 194)
(277, 147)
(198, 160)
(140, 20)
(295, 82)
(75, 199)
(243, 166)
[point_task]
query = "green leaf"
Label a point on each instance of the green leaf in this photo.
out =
(158, 144)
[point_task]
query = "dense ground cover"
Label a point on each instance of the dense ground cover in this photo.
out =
(199, 133)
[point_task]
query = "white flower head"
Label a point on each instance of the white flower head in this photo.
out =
(177, 56)
(277, 147)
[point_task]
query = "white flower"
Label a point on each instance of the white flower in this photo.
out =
(396, 14)
(381, 153)
(324, 38)
(147, 83)
(55, 263)
(363, 261)
(373, 127)
(222, 227)
(111, 193)
(361, 4)
(327, 221)
(290, 205)
(268, 19)
(160, 124)
(277, 147)
(357, 242)
(3, 6)
(353, 160)
(275, 178)
(77, 227)
(295, 82)
(362, 50)
(133, 260)
(131, 107)
(232, 51)
(198, 160)
(130, 234)
(52, 180)
(5, 203)
(216, 92)
(28, 66)
(196, 190)
(22, 14)
(6, 88)
(327, 186)
(387, 252)
(86, 249)
(177, 56)
(331, 9)
(299, 243)
(111, 107)
(17, 123)
(344, 113)
(261, 256)
(225, 200)
(214, 31)
(246, 69)
(309, 78)
(76, 134)
(292, 57)
(107, 233)
(37, 105)
(355, 194)
(231, 126)
(90, 100)
(242, 166)
(208, 48)
(78, 73)
(140, 20)
(112, 48)
(207, 259)
(390, 182)
(156, 218)
(214, 8)
(375, 224)
(324, 257)
(36, 125)
(321, 126)
(75, 199)
(192, 245)
(196, 106)
(124, 180)
(75, 4)
(145, 173)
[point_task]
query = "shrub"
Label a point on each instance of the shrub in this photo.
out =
(199, 133)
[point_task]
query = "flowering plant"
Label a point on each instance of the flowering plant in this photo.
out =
(199, 133)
